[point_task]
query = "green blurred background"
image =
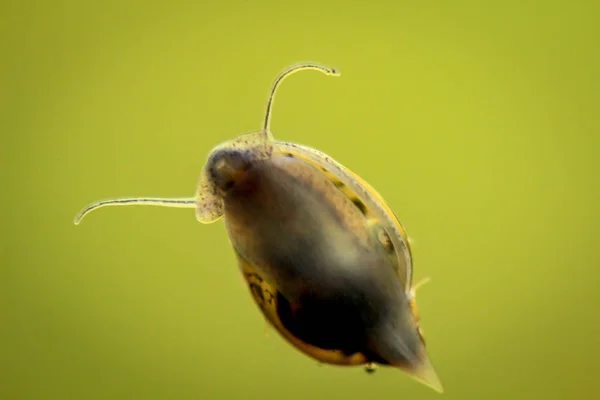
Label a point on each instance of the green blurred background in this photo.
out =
(478, 124)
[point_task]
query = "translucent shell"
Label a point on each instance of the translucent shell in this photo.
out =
(260, 145)
(375, 209)
(265, 297)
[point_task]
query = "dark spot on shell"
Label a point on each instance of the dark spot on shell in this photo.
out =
(289, 155)
(255, 276)
(257, 290)
(360, 205)
(339, 184)
(385, 240)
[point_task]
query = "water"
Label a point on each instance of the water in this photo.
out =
(478, 125)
